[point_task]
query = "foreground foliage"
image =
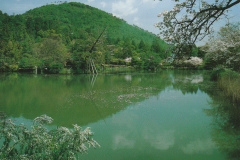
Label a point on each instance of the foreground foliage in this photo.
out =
(19, 142)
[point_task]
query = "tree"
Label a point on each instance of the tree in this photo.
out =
(196, 22)
(118, 52)
(156, 47)
(127, 48)
(141, 45)
(80, 60)
(201, 53)
(135, 45)
(147, 61)
(224, 48)
(188, 51)
(51, 51)
(28, 61)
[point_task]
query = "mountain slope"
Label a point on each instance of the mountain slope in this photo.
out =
(53, 35)
(74, 17)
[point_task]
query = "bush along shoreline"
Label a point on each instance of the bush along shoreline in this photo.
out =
(229, 82)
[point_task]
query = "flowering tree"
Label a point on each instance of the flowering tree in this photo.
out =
(195, 24)
(19, 142)
(224, 48)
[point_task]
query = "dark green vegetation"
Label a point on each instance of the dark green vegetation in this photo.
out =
(54, 37)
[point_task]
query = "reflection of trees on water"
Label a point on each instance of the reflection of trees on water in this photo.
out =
(188, 81)
(225, 114)
(73, 99)
(226, 125)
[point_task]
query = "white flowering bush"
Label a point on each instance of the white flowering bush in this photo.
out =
(191, 20)
(19, 142)
(194, 61)
(224, 48)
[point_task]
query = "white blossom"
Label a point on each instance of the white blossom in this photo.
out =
(40, 143)
(193, 19)
(224, 48)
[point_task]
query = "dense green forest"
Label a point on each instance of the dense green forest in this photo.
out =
(53, 37)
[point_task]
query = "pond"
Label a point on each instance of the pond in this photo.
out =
(167, 115)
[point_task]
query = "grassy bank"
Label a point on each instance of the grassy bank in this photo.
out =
(229, 82)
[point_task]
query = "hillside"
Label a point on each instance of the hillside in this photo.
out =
(53, 35)
(74, 17)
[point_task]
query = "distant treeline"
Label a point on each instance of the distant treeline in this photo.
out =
(55, 36)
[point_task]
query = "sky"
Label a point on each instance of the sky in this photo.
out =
(142, 13)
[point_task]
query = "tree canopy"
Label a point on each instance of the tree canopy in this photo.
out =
(195, 24)
(223, 50)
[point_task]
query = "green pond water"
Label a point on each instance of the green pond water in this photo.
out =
(171, 115)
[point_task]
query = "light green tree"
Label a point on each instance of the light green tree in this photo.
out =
(51, 52)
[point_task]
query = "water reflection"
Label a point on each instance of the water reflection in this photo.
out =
(199, 146)
(225, 124)
(141, 116)
(188, 81)
(120, 141)
(84, 99)
(128, 77)
(160, 129)
(162, 140)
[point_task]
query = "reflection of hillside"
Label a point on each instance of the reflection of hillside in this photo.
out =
(72, 99)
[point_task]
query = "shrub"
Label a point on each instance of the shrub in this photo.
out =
(19, 142)
(229, 82)
(216, 73)
(28, 61)
(117, 61)
(55, 67)
(13, 67)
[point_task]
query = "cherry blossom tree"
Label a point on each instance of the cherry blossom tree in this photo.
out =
(224, 48)
(191, 20)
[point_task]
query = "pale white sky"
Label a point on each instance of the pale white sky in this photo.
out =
(142, 13)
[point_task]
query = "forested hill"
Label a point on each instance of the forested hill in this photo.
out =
(52, 35)
(75, 18)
